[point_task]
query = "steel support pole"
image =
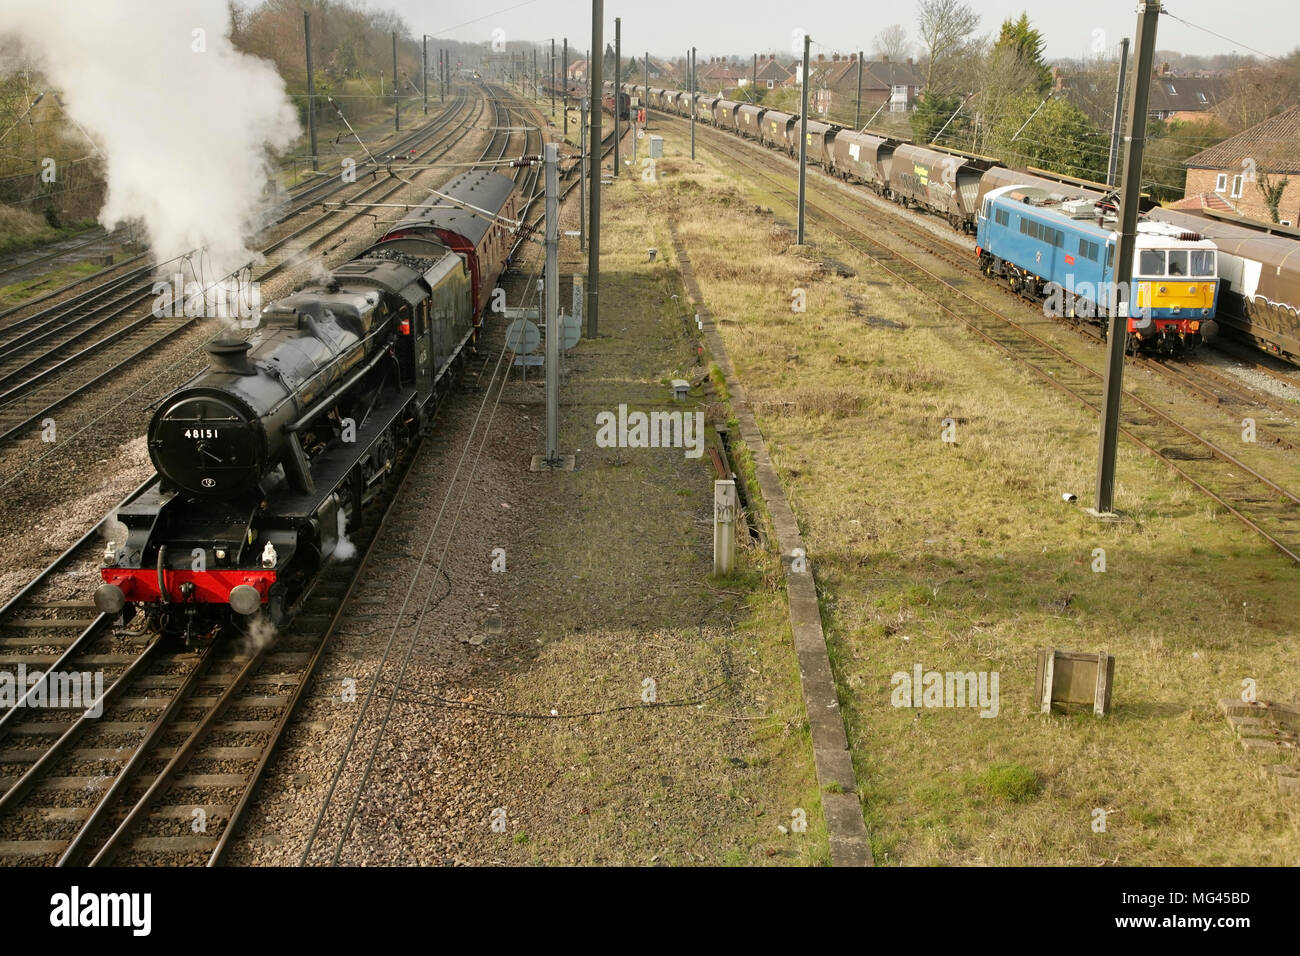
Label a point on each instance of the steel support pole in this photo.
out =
(618, 69)
(1113, 166)
(690, 92)
(552, 78)
(424, 71)
(593, 236)
(552, 304)
(1121, 303)
(803, 136)
(582, 181)
(311, 93)
(564, 78)
(397, 93)
(645, 104)
(753, 85)
(857, 113)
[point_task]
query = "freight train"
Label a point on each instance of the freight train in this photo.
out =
(268, 456)
(1051, 241)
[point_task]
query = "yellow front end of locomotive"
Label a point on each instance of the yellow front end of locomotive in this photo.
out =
(1172, 298)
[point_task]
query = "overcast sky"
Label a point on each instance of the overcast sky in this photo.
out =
(746, 26)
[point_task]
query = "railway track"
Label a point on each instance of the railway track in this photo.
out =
(164, 774)
(331, 831)
(1262, 504)
(51, 357)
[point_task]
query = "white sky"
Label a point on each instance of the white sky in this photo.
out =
(742, 27)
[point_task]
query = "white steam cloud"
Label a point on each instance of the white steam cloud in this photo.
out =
(345, 550)
(186, 123)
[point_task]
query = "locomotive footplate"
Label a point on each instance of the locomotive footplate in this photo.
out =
(330, 470)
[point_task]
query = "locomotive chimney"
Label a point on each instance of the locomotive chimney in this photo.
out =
(231, 355)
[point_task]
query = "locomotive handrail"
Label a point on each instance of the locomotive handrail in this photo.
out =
(323, 404)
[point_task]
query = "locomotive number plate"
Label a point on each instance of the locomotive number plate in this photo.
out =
(203, 433)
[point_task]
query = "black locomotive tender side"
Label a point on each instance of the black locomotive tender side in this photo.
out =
(268, 455)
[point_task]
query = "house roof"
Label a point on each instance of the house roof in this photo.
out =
(773, 70)
(1273, 145)
(1199, 201)
(1094, 93)
(1181, 94)
(876, 74)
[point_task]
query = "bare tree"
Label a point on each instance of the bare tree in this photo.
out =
(1002, 79)
(891, 43)
(944, 28)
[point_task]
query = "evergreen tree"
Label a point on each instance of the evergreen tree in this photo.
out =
(1020, 38)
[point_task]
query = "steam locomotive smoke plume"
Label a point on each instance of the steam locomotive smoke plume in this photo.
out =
(185, 122)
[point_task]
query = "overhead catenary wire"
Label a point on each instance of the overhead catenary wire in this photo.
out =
(1196, 26)
(401, 614)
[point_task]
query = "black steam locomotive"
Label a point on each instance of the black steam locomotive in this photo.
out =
(267, 456)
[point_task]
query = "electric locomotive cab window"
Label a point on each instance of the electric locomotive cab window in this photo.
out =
(1151, 262)
(1002, 216)
(1178, 262)
(1203, 263)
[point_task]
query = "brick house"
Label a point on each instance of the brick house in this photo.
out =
(772, 74)
(1172, 97)
(718, 75)
(1184, 98)
(887, 85)
(1240, 169)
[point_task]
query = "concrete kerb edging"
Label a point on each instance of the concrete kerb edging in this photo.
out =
(846, 831)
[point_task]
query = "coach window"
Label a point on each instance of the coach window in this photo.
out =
(1151, 262)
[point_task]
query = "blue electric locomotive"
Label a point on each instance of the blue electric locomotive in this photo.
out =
(1062, 252)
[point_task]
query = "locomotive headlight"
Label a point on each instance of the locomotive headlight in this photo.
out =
(1194, 326)
(268, 555)
(221, 554)
(1164, 289)
(245, 599)
(109, 599)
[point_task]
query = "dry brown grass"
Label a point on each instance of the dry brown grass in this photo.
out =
(964, 557)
